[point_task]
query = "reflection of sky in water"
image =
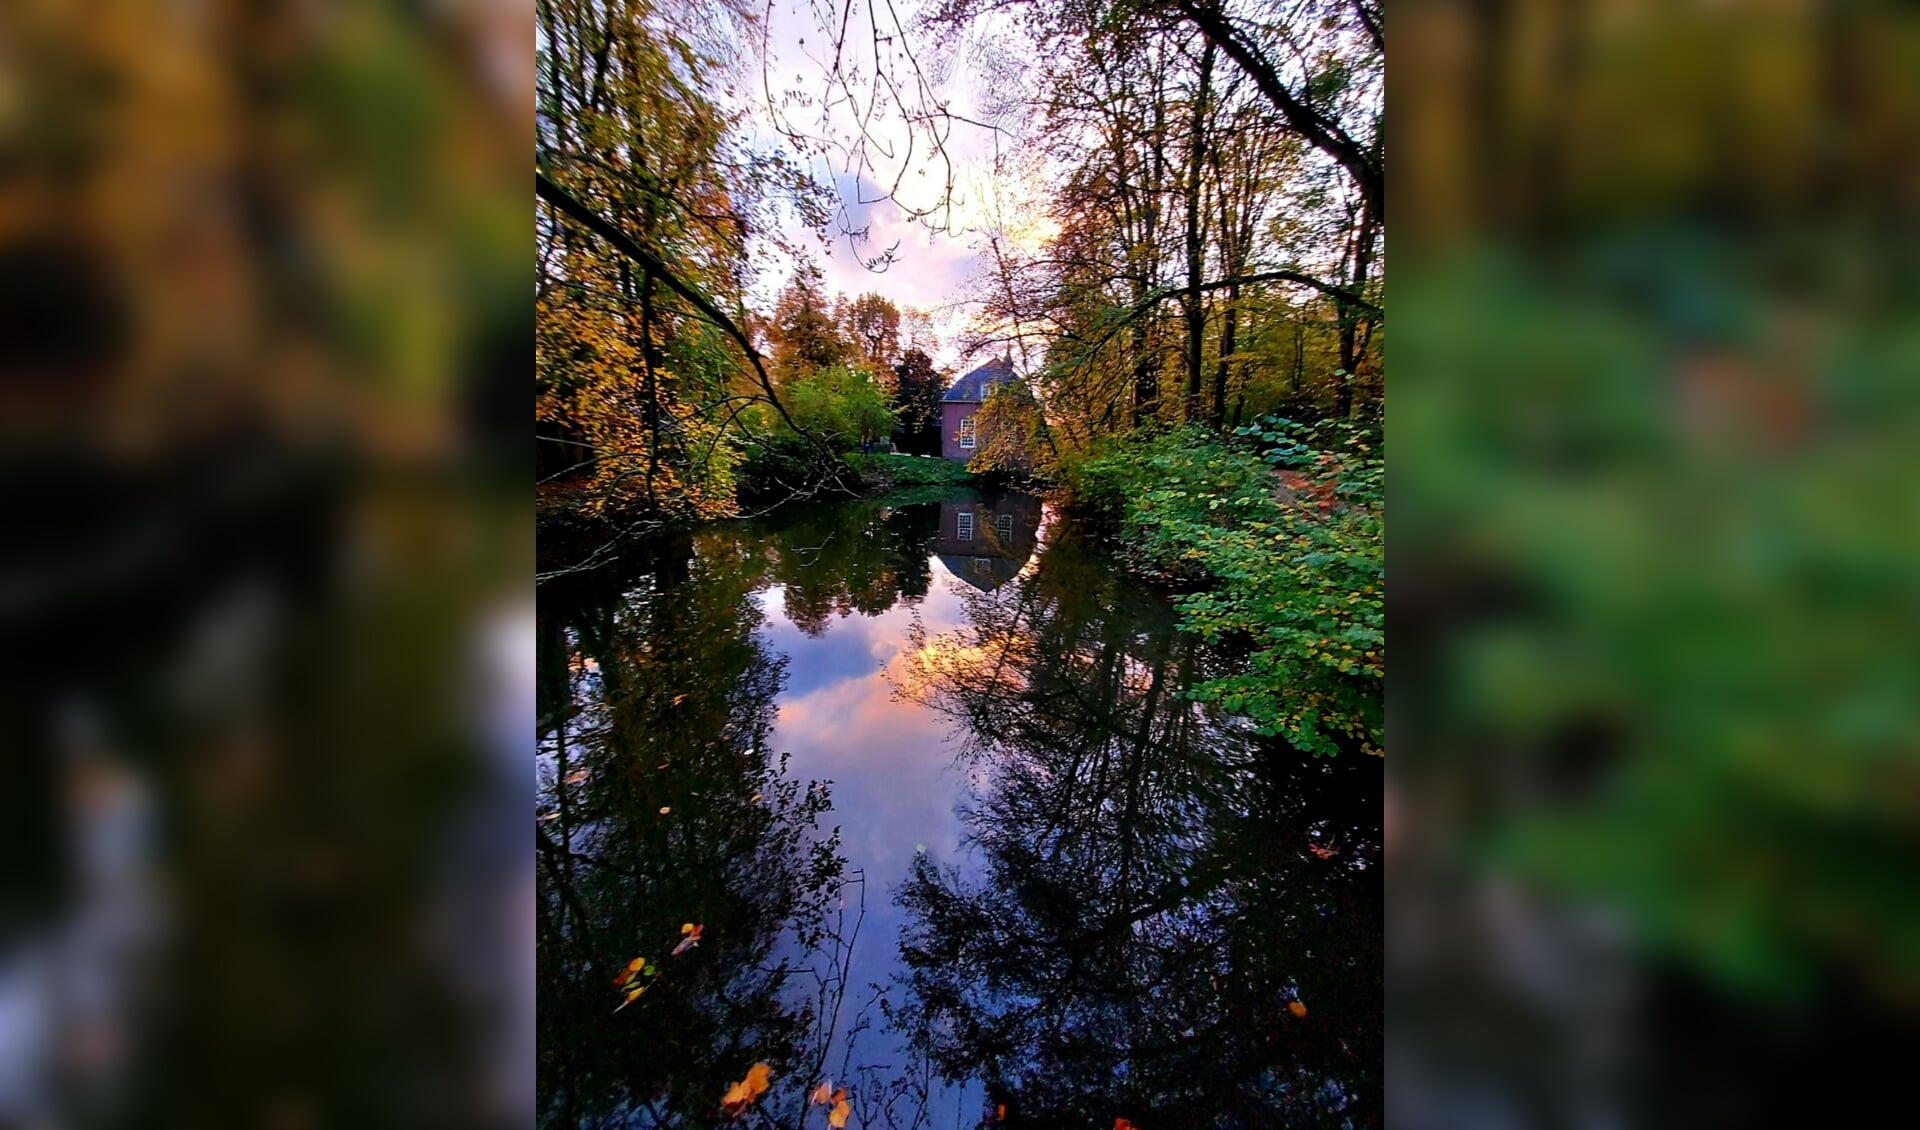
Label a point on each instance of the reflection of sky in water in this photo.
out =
(892, 764)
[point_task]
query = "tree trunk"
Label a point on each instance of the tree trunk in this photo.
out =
(1228, 326)
(1146, 377)
(1360, 262)
(1196, 312)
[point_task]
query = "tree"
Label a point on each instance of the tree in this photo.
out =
(1009, 430)
(804, 335)
(917, 389)
(872, 329)
(644, 197)
(843, 404)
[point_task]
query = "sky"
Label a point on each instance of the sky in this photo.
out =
(932, 269)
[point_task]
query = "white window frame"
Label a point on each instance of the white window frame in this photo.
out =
(1003, 525)
(963, 525)
(967, 433)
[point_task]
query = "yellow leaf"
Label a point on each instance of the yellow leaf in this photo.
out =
(837, 1117)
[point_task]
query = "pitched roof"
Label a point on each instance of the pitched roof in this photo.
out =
(973, 388)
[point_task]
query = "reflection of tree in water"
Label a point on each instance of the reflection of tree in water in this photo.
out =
(1159, 886)
(661, 805)
(864, 557)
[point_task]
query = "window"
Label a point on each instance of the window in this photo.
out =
(1003, 523)
(966, 433)
(964, 529)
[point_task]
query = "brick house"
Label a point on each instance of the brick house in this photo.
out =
(962, 402)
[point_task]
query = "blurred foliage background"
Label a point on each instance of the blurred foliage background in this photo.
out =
(1655, 784)
(263, 322)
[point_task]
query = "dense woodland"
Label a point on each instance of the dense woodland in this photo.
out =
(1211, 174)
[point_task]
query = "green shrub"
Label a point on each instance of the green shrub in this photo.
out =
(1300, 584)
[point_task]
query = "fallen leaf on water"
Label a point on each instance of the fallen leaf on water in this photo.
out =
(577, 776)
(1000, 1113)
(1296, 1008)
(743, 1094)
(823, 1095)
(665, 808)
(678, 699)
(628, 980)
(690, 938)
(546, 816)
(1123, 1124)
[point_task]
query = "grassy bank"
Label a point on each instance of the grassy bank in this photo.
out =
(1277, 541)
(885, 472)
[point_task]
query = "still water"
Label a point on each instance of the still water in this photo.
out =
(922, 774)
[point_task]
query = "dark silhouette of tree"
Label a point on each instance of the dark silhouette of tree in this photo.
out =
(916, 402)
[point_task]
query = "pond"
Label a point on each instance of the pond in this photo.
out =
(905, 794)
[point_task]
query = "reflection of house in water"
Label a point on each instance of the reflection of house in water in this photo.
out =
(985, 542)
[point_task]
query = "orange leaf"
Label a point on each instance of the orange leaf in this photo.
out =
(837, 1117)
(821, 1094)
(1123, 1124)
(743, 1094)
(1296, 1008)
(1000, 1113)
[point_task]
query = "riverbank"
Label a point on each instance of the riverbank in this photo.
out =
(1279, 547)
(1272, 542)
(576, 504)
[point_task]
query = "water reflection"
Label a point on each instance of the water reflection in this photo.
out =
(985, 542)
(1089, 897)
(662, 804)
(1170, 921)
